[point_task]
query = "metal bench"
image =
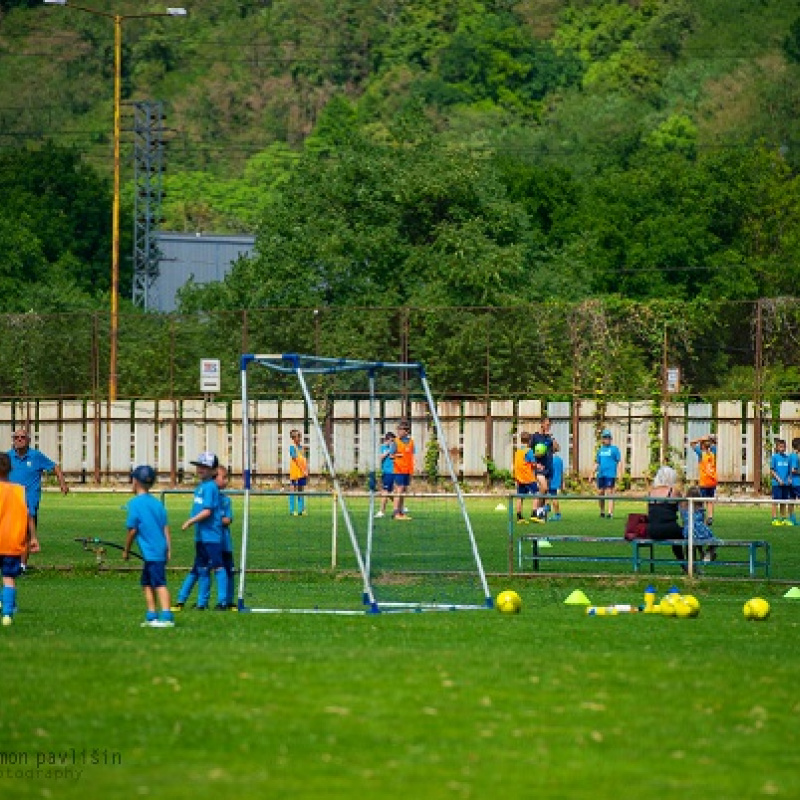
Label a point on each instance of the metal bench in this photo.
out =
(638, 553)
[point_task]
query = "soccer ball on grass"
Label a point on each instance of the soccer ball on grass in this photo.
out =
(508, 602)
(756, 609)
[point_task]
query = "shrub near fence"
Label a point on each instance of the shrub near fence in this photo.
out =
(615, 347)
(97, 442)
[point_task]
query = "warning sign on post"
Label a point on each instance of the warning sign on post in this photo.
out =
(209, 375)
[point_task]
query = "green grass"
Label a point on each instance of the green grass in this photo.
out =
(551, 703)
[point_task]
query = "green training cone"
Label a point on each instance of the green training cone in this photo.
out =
(500, 507)
(793, 593)
(577, 598)
(544, 544)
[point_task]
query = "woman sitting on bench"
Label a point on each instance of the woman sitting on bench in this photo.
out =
(662, 515)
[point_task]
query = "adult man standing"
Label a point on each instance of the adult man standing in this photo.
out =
(27, 467)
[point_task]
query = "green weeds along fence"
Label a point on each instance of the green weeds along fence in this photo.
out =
(620, 349)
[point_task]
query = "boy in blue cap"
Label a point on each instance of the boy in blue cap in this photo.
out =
(147, 523)
(606, 471)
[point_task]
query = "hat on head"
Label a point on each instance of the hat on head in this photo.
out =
(145, 475)
(606, 433)
(206, 460)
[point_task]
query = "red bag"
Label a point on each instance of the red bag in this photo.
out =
(636, 526)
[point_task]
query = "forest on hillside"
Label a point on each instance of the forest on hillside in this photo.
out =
(417, 152)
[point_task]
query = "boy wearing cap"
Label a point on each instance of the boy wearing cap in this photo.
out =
(206, 517)
(606, 469)
(15, 537)
(147, 523)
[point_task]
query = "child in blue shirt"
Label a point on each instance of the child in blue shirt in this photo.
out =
(206, 519)
(606, 470)
(147, 523)
(779, 470)
(226, 518)
(388, 450)
(704, 540)
(556, 485)
(794, 475)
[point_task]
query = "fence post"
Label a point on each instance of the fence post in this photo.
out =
(758, 440)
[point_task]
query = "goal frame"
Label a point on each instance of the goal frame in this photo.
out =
(300, 366)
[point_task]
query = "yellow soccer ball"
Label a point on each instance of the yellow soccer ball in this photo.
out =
(683, 610)
(667, 608)
(693, 603)
(508, 602)
(756, 609)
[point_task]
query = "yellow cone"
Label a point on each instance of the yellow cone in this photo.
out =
(577, 598)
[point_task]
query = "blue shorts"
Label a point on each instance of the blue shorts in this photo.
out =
(402, 479)
(154, 574)
(708, 491)
(527, 488)
(211, 554)
(605, 483)
(387, 481)
(299, 483)
(553, 491)
(11, 566)
(781, 492)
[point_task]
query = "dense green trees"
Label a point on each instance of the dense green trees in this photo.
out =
(55, 230)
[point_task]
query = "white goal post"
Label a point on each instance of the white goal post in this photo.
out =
(301, 366)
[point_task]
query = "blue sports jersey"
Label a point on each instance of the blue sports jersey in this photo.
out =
(206, 496)
(27, 471)
(794, 468)
(557, 477)
(226, 510)
(608, 458)
(148, 517)
(779, 464)
(387, 464)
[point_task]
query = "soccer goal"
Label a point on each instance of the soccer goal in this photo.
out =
(429, 561)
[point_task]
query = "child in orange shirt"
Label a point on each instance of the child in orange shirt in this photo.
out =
(15, 537)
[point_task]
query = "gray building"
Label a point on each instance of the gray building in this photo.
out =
(204, 257)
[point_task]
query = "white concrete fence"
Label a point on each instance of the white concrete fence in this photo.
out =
(98, 443)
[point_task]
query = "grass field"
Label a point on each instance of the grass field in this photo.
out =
(551, 703)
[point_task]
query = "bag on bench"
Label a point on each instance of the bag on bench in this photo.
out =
(636, 526)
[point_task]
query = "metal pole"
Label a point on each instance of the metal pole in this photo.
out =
(114, 324)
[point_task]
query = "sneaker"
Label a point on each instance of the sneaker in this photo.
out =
(199, 608)
(786, 522)
(776, 523)
(602, 515)
(538, 520)
(150, 623)
(221, 607)
(521, 521)
(555, 518)
(380, 515)
(176, 607)
(7, 620)
(401, 517)
(710, 521)
(162, 623)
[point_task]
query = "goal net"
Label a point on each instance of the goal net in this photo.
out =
(362, 550)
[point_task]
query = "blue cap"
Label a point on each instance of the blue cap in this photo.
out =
(145, 475)
(606, 433)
